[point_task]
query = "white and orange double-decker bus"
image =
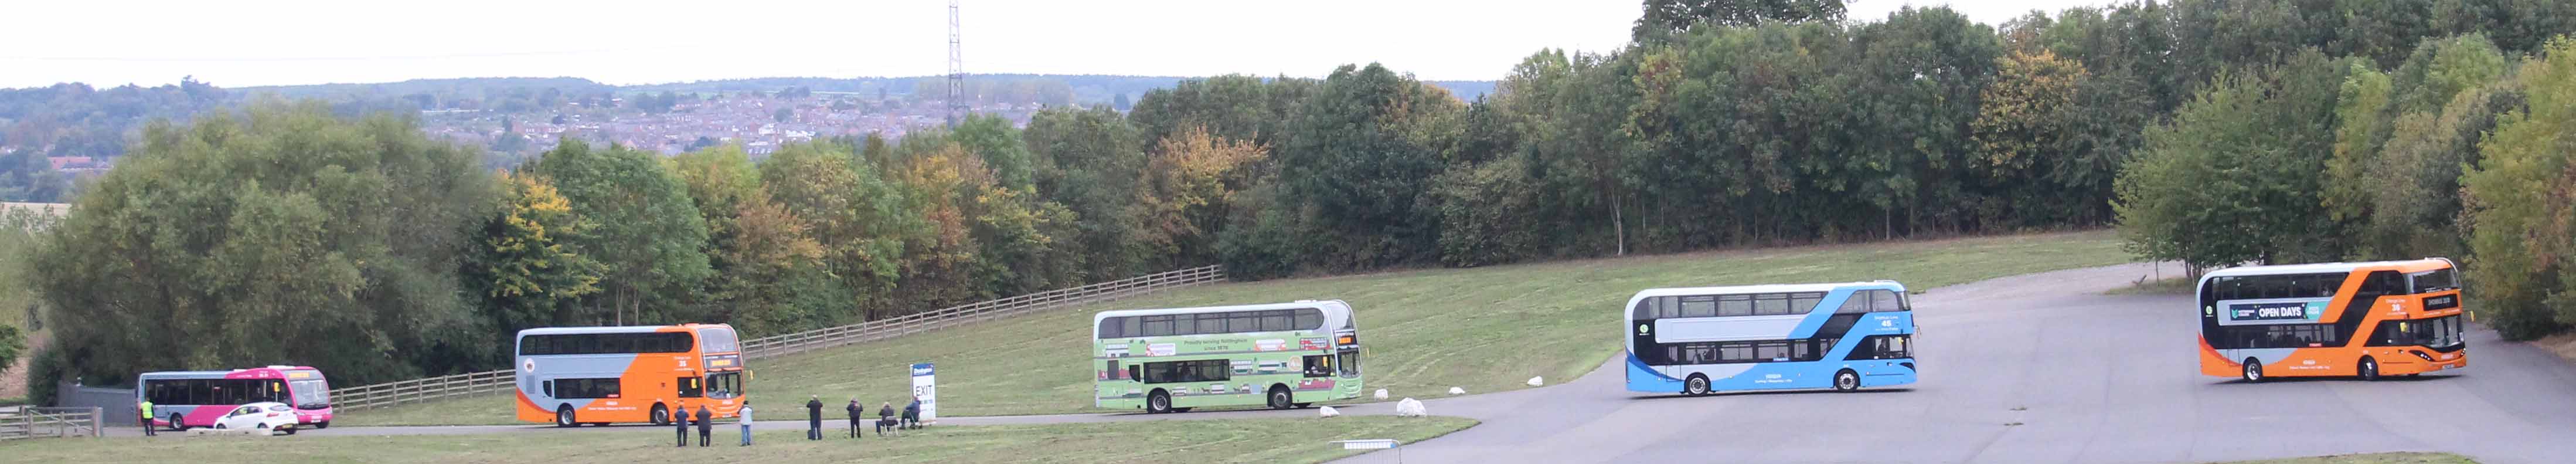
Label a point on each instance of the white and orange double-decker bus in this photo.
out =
(2332, 319)
(600, 375)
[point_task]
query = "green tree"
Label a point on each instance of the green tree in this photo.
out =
(522, 271)
(2022, 132)
(1090, 161)
(2232, 177)
(2519, 203)
(1666, 20)
(1360, 153)
(1181, 202)
(279, 223)
(640, 225)
(854, 212)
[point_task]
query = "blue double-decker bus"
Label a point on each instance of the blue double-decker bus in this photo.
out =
(1702, 340)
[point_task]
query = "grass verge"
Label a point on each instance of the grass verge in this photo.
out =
(1243, 440)
(2168, 286)
(1485, 329)
(2372, 458)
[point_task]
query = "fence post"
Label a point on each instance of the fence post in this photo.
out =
(98, 419)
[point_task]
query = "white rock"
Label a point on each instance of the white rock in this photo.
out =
(1409, 408)
(1381, 393)
(1328, 411)
(1457, 391)
(1537, 381)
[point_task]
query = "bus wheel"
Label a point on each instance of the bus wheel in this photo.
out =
(175, 424)
(1279, 398)
(1158, 402)
(2369, 368)
(1696, 386)
(1846, 380)
(2253, 370)
(661, 414)
(563, 416)
(322, 425)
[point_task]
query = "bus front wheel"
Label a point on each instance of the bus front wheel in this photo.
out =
(563, 416)
(1846, 380)
(1279, 398)
(1696, 386)
(1158, 402)
(175, 424)
(322, 425)
(2253, 370)
(2369, 368)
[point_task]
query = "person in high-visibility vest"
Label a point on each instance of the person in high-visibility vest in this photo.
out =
(146, 408)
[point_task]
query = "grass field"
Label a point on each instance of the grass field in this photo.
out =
(1484, 329)
(2373, 458)
(1246, 440)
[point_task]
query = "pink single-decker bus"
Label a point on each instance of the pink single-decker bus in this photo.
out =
(183, 399)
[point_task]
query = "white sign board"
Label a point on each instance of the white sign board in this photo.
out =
(926, 387)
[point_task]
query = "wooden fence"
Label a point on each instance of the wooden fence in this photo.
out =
(32, 422)
(416, 390)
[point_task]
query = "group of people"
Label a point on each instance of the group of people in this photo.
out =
(706, 423)
(886, 419)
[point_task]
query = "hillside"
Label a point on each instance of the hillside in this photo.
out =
(1485, 329)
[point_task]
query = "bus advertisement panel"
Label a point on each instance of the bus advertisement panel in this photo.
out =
(2331, 319)
(1703, 340)
(1284, 355)
(600, 375)
(184, 399)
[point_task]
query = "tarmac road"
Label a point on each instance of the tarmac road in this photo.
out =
(2039, 368)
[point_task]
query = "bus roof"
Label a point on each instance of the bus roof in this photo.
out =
(1331, 308)
(614, 329)
(214, 374)
(1769, 288)
(2409, 266)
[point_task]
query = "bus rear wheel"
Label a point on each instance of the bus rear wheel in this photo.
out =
(1279, 398)
(2253, 370)
(661, 414)
(1846, 381)
(1158, 402)
(1696, 386)
(563, 416)
(2369, 368)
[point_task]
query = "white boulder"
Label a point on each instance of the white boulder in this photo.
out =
(1457, 391)
(1409, 408)
(1381, 393)
(1328, 411)
(1537, 381)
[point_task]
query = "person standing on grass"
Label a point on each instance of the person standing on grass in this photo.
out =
(680, 418)
(706, 424)
(146, 408)
(855, 411)
(745, 420)
(814, 418)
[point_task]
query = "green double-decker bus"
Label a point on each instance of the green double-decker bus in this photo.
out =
(1282, 355)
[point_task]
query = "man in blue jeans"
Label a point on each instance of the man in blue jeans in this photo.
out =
(745, 420)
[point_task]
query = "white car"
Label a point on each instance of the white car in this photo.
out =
(271, 416)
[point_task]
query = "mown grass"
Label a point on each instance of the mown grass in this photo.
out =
(2372, 458)
(1195, 441)
(1484, 329)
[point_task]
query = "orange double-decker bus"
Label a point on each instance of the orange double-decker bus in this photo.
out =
(2332, 319)
(599, 375)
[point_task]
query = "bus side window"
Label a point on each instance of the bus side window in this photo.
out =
(1319, 366)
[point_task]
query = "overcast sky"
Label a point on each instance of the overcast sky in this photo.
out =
(280, 42)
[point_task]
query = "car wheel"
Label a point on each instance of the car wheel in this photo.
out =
(1158, 402)
(1280, 399)
(563, 416)
(219, 426)
(1696, 386)
(1846, 381)
(2253, 370)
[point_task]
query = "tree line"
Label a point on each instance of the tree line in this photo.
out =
(380, 254)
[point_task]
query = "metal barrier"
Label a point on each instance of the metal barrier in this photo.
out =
(416, 390)
(33, 422)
